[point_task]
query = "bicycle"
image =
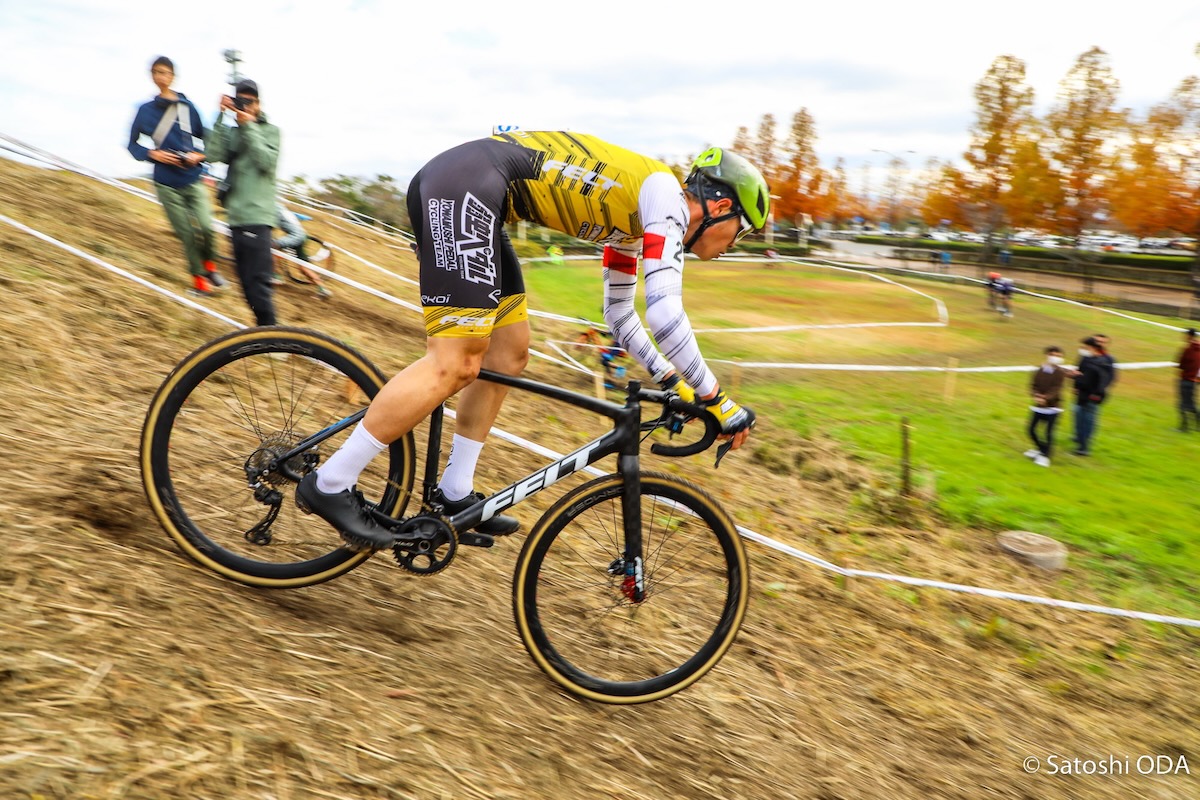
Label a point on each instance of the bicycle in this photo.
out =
(628, 589)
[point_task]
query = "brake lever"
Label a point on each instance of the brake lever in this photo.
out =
(722, 450)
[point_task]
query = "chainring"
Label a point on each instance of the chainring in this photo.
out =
(428, 543)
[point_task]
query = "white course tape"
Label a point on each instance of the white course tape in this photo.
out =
(118, 271)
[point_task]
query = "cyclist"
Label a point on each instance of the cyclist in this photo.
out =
(474, 297)
(993, 291)
(291, 240)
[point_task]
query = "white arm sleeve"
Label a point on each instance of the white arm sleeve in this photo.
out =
(664, 219)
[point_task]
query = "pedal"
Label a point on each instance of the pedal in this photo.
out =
(473, 539)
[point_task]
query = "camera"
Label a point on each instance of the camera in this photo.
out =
(182, 155)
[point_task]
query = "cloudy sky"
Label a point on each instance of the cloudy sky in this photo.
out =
(369, 86)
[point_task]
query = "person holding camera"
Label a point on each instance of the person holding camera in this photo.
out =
(172, 125)
(250, 148)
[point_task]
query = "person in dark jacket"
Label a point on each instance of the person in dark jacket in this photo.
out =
(1092, 379)
(1189, 376)
(171, 124)
(1046, 391)
(251, 149)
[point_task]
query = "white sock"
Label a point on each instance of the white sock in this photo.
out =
(342, 469)
(459, 477)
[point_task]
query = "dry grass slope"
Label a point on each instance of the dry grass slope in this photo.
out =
(125, 672)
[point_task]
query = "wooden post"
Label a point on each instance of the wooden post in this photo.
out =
(905, 459)
(599, 378)
(951, 379)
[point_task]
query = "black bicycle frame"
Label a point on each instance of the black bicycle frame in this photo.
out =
(623, 441)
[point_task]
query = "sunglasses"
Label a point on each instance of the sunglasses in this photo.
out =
(745, 226)
(745, 229)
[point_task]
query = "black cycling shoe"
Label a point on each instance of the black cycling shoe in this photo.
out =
(344, 511)
(499, 525)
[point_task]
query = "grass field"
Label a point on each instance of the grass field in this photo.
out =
(1128, 512)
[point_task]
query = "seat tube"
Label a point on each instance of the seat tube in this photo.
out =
(433, 451)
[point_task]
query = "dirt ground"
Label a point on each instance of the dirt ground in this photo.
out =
(127, 672)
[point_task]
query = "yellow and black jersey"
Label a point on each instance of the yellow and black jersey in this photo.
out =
(582, 186)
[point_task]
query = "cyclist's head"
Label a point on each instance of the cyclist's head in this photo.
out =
(718, 173)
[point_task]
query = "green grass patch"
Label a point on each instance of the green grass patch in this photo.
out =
(1128, 512)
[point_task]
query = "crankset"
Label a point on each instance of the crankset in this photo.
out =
(426, 544)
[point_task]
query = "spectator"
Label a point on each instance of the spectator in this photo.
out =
(172, 124)
(251, 150)
(945, 259)
(934, 257)
(1189, 376)
(1005, 258)
(1092, 379)
(1106, 343)
(292, 240)
(1046, 390)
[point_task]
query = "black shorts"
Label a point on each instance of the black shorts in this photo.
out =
(470, 277)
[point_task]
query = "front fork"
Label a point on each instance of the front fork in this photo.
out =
(632, 567)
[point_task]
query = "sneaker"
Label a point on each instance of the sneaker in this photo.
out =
(345, 511)
(1080, 453)
(324, 293)
(216, 280)
(1041, 460)
(275, 280)
(499, 525)
(320, 255)
(200, 287)
(1032, 453)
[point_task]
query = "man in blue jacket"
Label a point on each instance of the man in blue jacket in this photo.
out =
(172, 125)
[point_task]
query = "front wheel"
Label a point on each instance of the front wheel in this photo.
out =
(580, 624)
(223, 416)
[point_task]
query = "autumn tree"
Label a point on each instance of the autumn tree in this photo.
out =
(1003, 118)
(800, 180)
(1147, 191)
(1035, 193)
(945, 198)
(836, 200)
(1080, 125)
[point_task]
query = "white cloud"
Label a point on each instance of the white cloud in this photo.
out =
(368, 87)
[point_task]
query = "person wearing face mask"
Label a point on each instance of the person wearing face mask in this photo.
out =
(1046, 390)
(1092, 379)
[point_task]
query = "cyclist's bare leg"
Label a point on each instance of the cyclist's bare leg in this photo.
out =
(480, 402)
(448, 365)
(478, 406)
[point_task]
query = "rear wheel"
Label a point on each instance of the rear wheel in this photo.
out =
(223, 414)
(576, 617)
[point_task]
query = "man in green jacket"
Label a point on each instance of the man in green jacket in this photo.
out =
(251, 149)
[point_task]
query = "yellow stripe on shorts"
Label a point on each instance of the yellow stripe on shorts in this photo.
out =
(512, 310)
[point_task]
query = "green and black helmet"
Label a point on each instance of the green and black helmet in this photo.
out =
(718, 173)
